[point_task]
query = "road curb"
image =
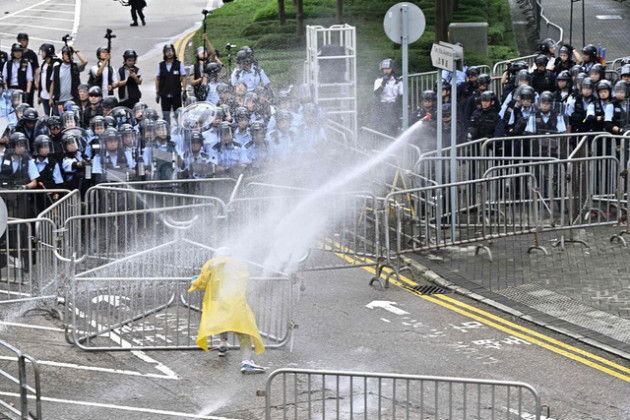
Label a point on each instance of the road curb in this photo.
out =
(433, 277)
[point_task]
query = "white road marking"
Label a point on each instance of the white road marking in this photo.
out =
(34, 327)
(48, 18)
(11, 15)
(119, 407)
(35, 26)
(77, 18)
(53, 11)
(94, 368)
(385, 320)
(387, 305)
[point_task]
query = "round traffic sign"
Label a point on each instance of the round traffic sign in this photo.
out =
(393, 22)
(4, 217)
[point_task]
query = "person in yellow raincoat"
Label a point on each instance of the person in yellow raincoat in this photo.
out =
(224, 280)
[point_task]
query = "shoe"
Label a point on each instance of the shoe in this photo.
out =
(143, 22)
(222, 351)
(134, 24)
(248, 367)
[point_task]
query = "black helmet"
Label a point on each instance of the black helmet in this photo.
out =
(41, 140)
(546, 45)
(523, 75)
(122, 116)
(604, 85)
(621, 86)
(22, 35)
(565, 50)
(518, 66)
(109, 121)
(166, 48)
(591, 52)
(541, 60)
(488, 95)
(97, 120)
(129, 54)
(49, 49)
(110, 134)
(241, 112)
(484, 79)
(472, 71)
(429, 95)
(446, 110)
(17, 95)
(599, 69)
(69, 137)
(161, 124)
(445, 85)
(139, 106)
(18, 139)
(249, 51)
(625, 70)
(587, 83)
(575, 70)
(68, 50)
(564, 75)
(95, 91)
(387, 63)
(196, 137)
(250, 98)
(30, 114)
(99, 50)
(53, 120)
(225, 128)
(546, 97)
(151, 114)
(190, 100)
(526, 92)
(124, 128)
(17, 47)
(213, 69)
(110, 101)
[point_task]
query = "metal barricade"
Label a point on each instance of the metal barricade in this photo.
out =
(15, 386)
(557, 146)
(98, 238)
(27, 204)
(618, 63)
(307, 394)
(501, 206)
(419, 82)
(141, 302)
(28, 269)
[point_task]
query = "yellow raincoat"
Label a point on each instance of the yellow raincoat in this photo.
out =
(225, 307)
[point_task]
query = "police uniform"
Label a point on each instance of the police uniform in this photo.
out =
(73, 175)
(617, 115)
(583, 114)
(387, 112)
(162, 169)
(228, 156)
(6, 108)
(252, 78)
(281, 144)
(200, 160)
(241, 137)
(49, 173)
(110, 166)
(258, 153)
(17, 73)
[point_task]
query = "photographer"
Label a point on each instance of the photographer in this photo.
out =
(130, 80)
(66, 78)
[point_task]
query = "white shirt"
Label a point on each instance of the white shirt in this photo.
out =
(105, 75)
(393, 88)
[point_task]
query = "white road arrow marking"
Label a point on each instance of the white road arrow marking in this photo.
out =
(388, 306)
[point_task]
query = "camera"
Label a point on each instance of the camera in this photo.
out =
(229, 46)
(206, 12)
(109, 34)
(66, 38)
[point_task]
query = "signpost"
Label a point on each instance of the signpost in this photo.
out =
(404, 24)
(444, 57)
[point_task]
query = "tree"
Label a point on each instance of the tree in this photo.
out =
(339, 16)
(281, 14)
(299, 17)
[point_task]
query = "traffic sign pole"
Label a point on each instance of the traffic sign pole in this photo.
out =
(438, 220)
(404, 9)
(453, 150)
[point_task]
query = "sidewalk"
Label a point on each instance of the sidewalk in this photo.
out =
(581, 292)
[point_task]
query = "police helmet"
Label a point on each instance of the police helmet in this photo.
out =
(564, 75)
(225, 129)
(242, 57)
(110, 134)
(226, 110)
(71, 137)
(212, 69)
(223, 88)
(121, 115)
(196, 137)
(19, 110)
(546, 97)
(257, 127)
(129, 54)
(546, 45)
(190, 100)
(621, 86)
(541, 60)
(310, 109)
(488, 95)
(523, 76)
(484, 79)
(249, 51)
(590, 51)
(250, 98)
(110, 101)
(387, 63)
(139, 106)
(518, 66)
(151, 114)
(161, 125)
(49, 49)
(625, 70)
(22, 35)
(100, 50)
(565, 50)
(95, 91)
(283, 115)
(604, 85)
(597, 68)
(446, 110)
(30, 114)
(84, 86)
(167, 48)
(53, 121)
(17, 47)
(17, 96)
(125, 128)
(527, 92)
(97, 121)
(41, 140)
(472, 71)
(18, 139)
(201, 50)
(445, 85)
(109, 121)
(588, 83)
(241, 113)
(69, 116)
(429, 95)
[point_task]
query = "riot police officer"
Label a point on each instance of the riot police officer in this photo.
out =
(161, 157)
(584, 111)
(248, 70)
(43, 87)
(485, 121)
(543, 79)
(619, 121)
(114, 163)
(196, 163)
(388, 91)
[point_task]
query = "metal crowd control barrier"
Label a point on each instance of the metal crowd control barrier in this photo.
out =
(98, 238)
(558, 146)
(141, 302)
(28, 269)
(15, 386)
(507, 206)
(318, 394)
(623, 218)
(26, 204)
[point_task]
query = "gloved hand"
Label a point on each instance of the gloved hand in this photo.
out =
(157, 98)
(184, 96)
(193, 278)
(590, 118)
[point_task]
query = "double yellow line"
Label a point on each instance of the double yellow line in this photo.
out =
(180, 45)
(494, 321)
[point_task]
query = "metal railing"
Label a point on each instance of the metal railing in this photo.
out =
(319, 394)
(18, 377)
